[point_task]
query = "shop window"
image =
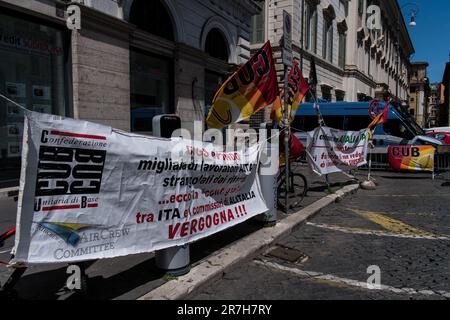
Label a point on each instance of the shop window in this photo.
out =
(213, 82)
(33, 73)
(150, 89)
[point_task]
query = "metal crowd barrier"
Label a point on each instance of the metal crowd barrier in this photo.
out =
(442, 159)
(380, 159)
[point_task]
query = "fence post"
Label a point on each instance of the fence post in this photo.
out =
(173, 261)
(268, 177)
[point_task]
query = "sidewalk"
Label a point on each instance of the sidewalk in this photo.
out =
(134, 277)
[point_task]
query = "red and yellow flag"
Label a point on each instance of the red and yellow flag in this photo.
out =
(382, 117)
(297, 89)
(250, 89)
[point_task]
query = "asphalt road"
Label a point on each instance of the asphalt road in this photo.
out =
(402, 229)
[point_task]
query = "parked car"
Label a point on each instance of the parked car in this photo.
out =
(442, 136)
(440, 129)
(401, 129)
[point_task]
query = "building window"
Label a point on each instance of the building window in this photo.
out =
(33, 73)
(216, 45)
(340, 95)
(152, 17)
(327, 48)
(151, 84)
(311, 27)
(342, 49)
(326, 94)
(259, 26)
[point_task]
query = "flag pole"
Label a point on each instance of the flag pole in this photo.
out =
(287, 135)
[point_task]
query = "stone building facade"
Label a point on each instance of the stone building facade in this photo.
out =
(354, 61)
(444, 110)
(131, 60)
(419, 93)
(434, 102)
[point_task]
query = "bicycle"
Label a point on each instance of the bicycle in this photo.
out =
(298, 187)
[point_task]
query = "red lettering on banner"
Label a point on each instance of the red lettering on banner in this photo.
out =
(198, 225)
(184, 229)
(173, 231)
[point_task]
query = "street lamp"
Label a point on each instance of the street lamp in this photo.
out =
(413, 12)
(413, 20)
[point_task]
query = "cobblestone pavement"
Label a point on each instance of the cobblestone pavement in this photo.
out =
(403, 228)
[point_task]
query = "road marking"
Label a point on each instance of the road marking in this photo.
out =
(348, 282)
(392, 225)
(378, 233)
(406, 195)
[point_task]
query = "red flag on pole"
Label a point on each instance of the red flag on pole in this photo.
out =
(253, 87)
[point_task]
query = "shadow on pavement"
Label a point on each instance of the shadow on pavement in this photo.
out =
(50, 285)
(100, 288)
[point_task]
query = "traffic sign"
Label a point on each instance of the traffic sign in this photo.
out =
(287, 39)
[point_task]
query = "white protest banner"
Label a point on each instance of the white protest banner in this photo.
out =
(88, 191)
(331, 150)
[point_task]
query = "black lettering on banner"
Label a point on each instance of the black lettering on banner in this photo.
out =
(64, 171)
(265, 68)
(246, 74)
(44, 136)
(406, 152)
(83, 202)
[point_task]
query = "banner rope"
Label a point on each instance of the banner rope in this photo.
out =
(13, 102)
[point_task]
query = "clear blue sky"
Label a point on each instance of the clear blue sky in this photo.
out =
(431, 36)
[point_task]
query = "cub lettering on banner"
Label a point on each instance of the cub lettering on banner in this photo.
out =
(331, 150)
(90, 192)
(412, 158)
(253, 87)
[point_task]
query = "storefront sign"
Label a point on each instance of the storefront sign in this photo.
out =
(90, 192)
(412, 158)
(331, 150)
(24, 43)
